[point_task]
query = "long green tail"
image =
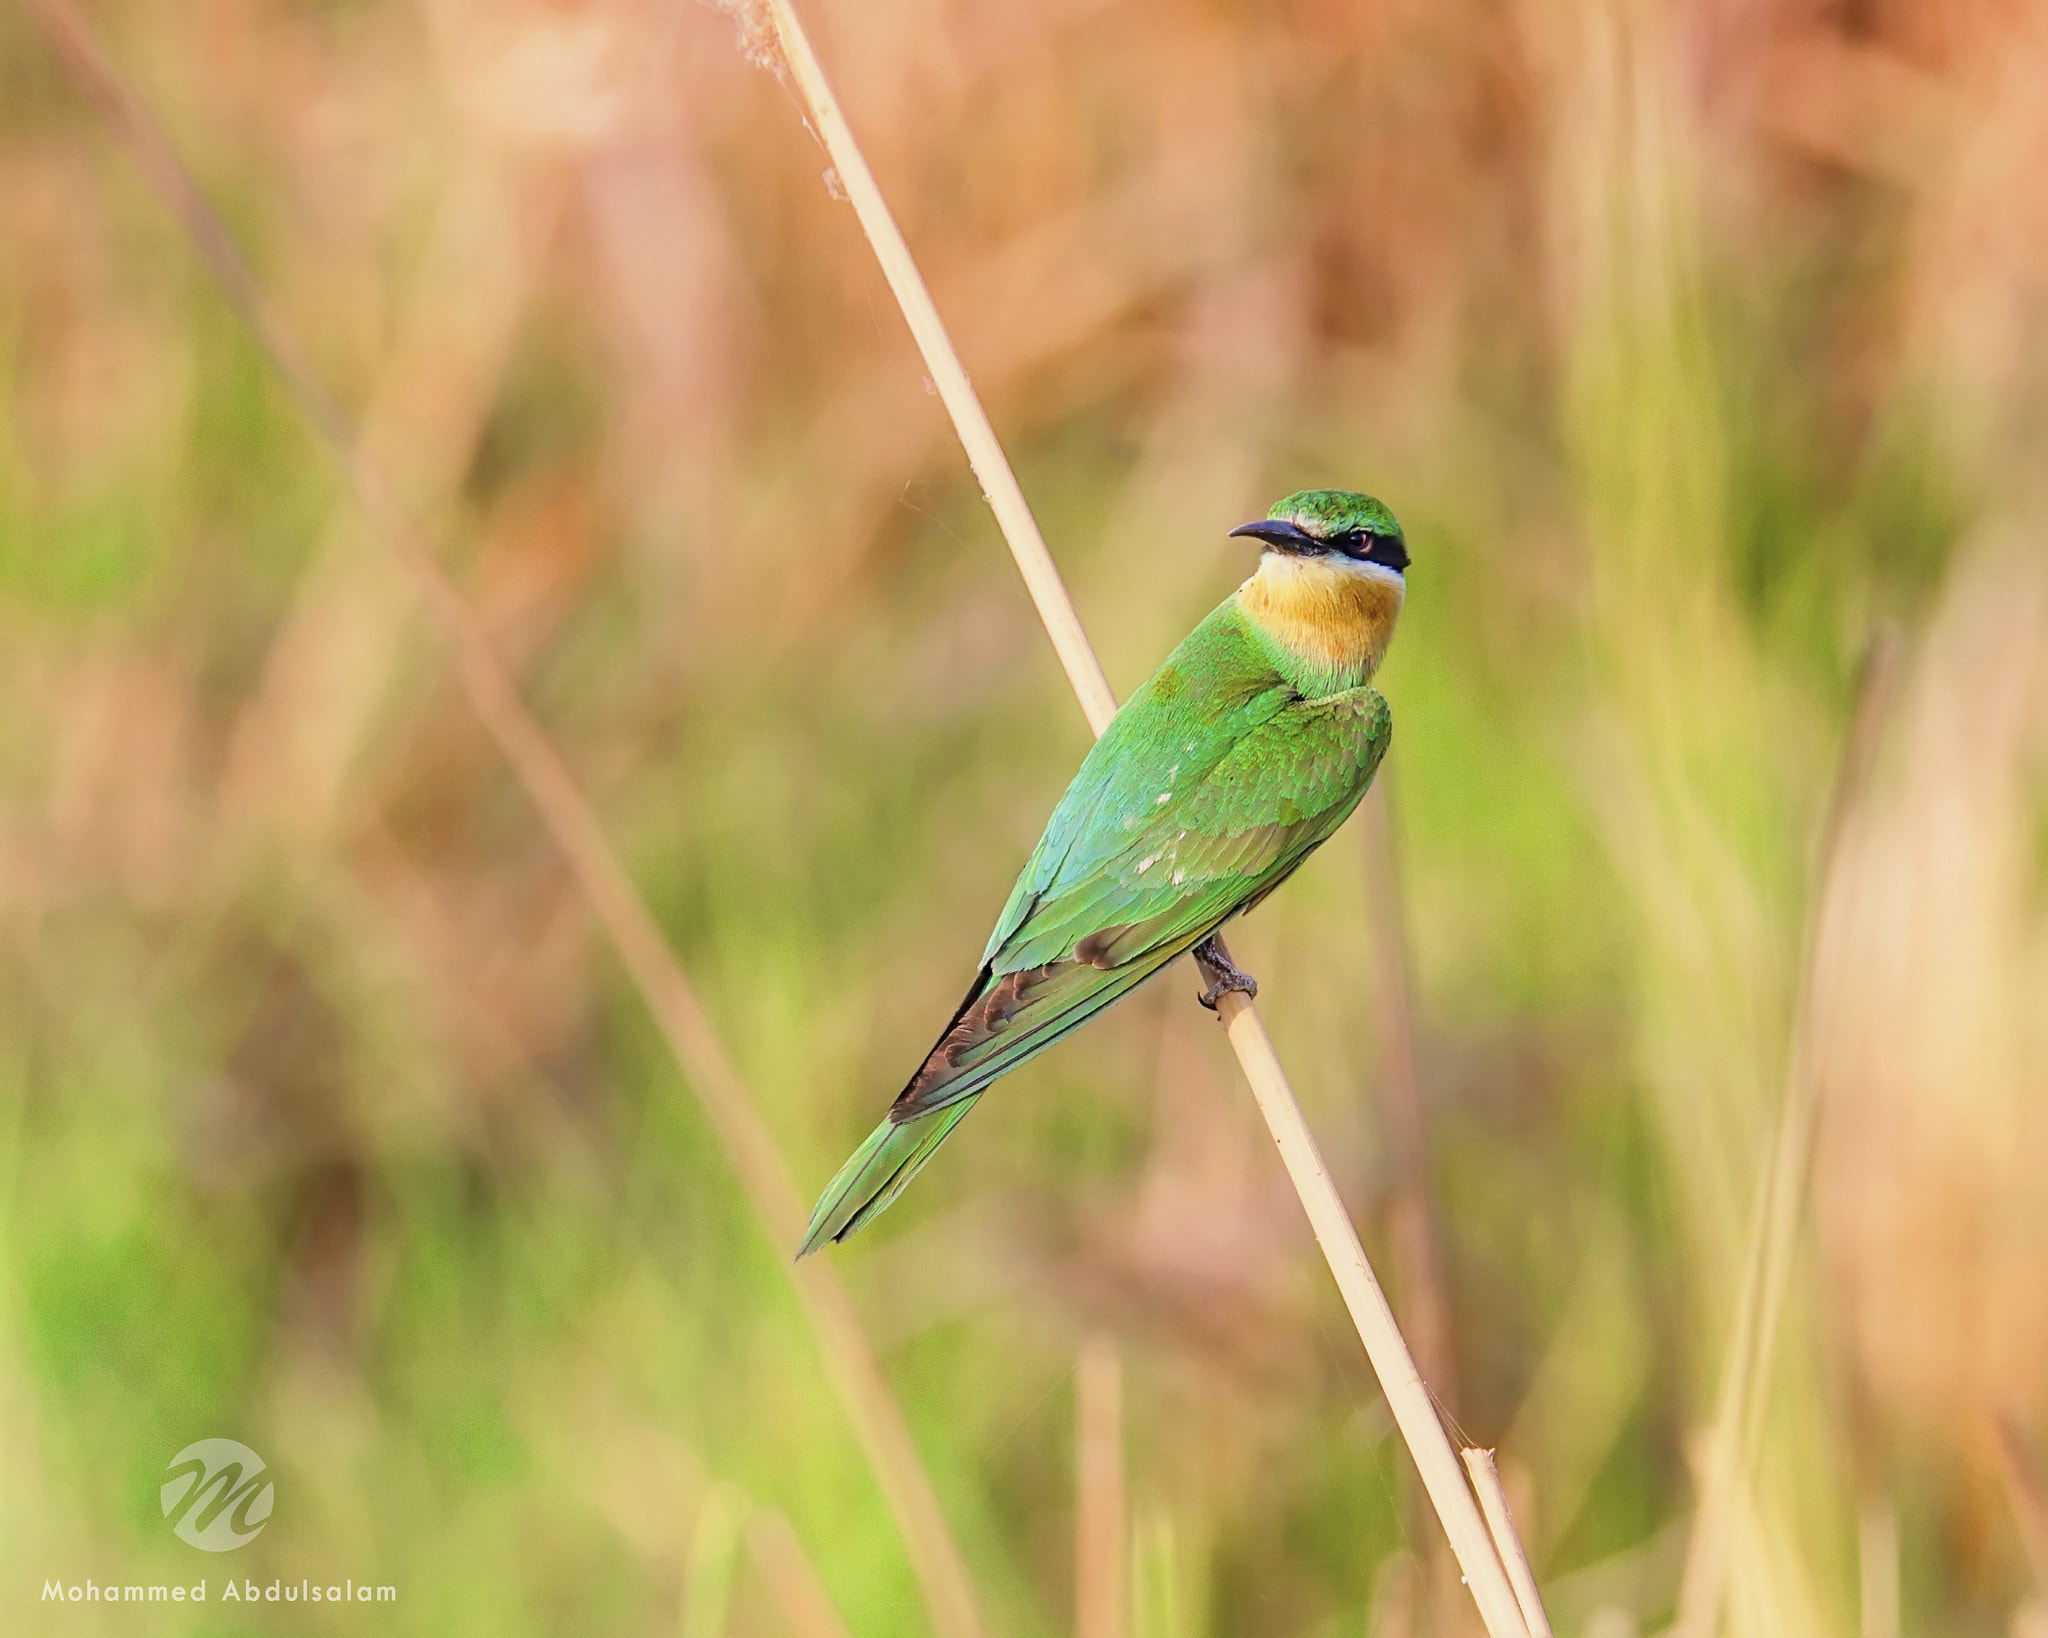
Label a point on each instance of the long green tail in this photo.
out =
(892, 1155)
(1005, 1019)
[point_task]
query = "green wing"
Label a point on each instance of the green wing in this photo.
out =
(1128, 897)
(1214, 689)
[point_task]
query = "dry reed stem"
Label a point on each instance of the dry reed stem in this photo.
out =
(1101, 1551)
(792, 1580)
(1877, 1567)
(1407, 1396)
(2027, 1486)
(330, 659)
(1493, 1499)
(1767, 1263)
(1418, 1263)
(984, 453)
(708, 1564)
(573, 824)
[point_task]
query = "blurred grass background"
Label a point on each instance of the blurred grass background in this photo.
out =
(1690, 342)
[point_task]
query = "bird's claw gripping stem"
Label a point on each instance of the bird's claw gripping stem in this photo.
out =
(1222, 973)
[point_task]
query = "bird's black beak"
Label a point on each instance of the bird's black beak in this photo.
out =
(1282, 536)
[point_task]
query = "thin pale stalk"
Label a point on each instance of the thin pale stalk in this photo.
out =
(1801, 1117)
(708, 1566)
(573, 824)
(2027, 1485)
(1716, 1465)
(1406, 1394)
(1767, 1264)
(1418, 1262)
(1877, 1566)
(1493, 1500)
(1101, 1554)
(792, 1580)
(1423, 1310)
(984, 452)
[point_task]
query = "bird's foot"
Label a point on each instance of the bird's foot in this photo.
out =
(1222, 973)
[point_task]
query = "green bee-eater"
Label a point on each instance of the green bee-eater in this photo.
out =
(1242, 755)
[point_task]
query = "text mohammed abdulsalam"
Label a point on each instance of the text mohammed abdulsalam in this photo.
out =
(246, 1592)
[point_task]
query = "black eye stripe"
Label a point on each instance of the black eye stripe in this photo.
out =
(1363, 546)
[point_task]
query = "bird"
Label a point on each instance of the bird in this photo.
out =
(1242, 754)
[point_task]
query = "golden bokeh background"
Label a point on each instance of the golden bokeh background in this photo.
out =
(1698, 345)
